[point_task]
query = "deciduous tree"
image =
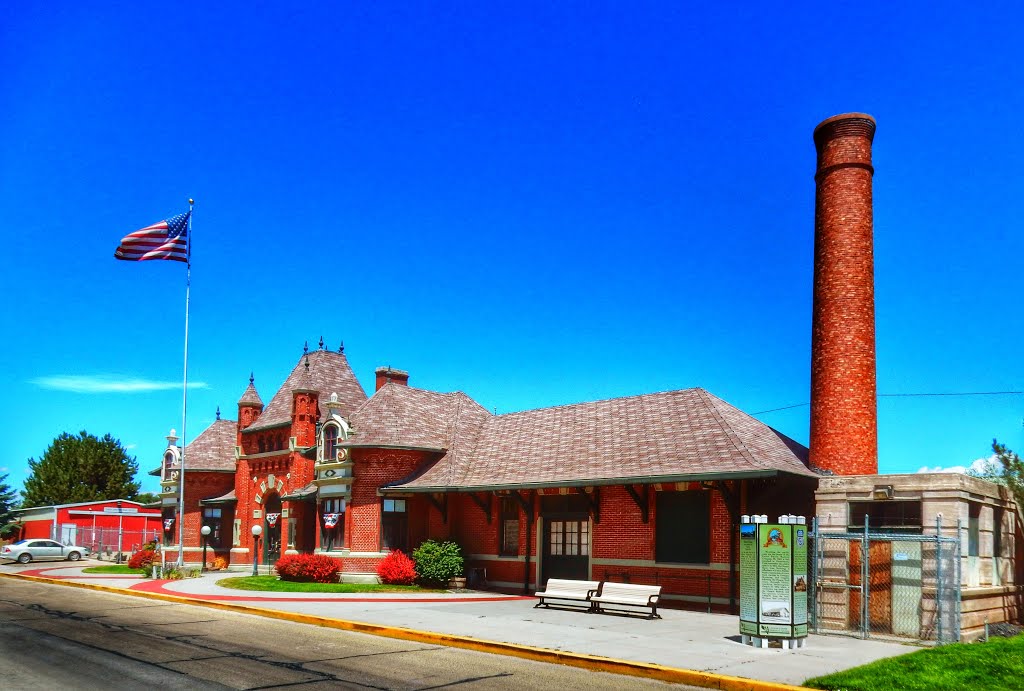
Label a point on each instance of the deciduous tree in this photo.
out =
(79, 469)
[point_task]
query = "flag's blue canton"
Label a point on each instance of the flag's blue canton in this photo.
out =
(177, 225)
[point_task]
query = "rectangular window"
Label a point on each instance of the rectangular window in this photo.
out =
(394, 526)
(212, 518)
(973, 528)
(332, 524)
(897, 516)
(509, 527)
(557, 544)
(682, 530)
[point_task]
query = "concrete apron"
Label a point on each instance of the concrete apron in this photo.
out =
(684, 647)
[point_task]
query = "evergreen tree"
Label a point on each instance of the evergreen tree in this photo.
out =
(1012, 471)
(80, 469)
(8, 502)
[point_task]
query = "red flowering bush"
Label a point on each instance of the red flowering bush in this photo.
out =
(397, 569)
(142, 559)
(316, 568)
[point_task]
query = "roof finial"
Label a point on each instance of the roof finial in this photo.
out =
(307, 362)
(305, 347)
(321, 343)
(250, 378)
(218, 412)
(341, 348)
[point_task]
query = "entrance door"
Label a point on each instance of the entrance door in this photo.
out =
(272, 530)
(879, 585)
(567, 548)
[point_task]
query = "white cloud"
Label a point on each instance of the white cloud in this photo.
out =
(108, 383)
(981, 465)
(129, 447)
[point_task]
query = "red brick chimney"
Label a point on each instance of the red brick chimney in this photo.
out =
(844, 414)
(386, 374)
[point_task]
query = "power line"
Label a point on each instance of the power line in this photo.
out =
(906, 395)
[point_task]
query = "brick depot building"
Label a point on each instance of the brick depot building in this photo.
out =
(645, 488)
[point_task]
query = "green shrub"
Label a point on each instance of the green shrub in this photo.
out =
(436, 562)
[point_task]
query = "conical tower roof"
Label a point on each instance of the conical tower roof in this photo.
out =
(250, 397)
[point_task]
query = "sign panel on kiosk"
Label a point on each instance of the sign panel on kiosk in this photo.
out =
(773, 580)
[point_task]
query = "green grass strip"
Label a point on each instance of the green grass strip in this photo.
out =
(273, 585)
(115, 568)
(997, 665)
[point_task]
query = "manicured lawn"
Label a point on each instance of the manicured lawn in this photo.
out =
(994, 666)
(272, 584)
(115, 568)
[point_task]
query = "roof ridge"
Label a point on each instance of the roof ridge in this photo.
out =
(601, 400)
(730, 433)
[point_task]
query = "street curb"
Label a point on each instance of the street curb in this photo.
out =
(595, 663)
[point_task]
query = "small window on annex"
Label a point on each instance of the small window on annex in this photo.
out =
(896, 516)
(330, 442)
(509, 527)
(682, 529)
(332, 524)
(212, 517)
(973, 529)
(394, 526)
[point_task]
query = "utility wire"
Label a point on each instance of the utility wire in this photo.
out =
(906, 395)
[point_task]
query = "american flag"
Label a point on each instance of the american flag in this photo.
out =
(164, 240)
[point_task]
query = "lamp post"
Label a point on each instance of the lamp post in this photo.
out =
(257, 530)
(206, 533)
(120, 531)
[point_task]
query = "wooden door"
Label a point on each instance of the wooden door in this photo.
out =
(879, 586)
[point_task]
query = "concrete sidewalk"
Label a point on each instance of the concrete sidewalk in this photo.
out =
(681, 639)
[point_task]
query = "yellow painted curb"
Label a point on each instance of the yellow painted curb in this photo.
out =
(591, 662)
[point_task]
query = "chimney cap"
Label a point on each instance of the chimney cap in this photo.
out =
(391, 371)
(857, 124)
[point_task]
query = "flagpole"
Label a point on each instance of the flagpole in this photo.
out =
(184, 395)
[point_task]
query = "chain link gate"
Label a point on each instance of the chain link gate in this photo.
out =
(892, 585)
(103, 543)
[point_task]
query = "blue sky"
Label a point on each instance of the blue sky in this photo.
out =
(538, 204)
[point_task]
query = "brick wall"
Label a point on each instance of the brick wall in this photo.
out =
(844, 437)
(371, 469)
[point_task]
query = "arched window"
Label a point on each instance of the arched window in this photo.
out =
(331, 443)
(168, 465)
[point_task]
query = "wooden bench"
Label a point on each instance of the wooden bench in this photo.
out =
(561, 589)
(627, 595)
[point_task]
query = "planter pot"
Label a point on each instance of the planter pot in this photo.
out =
(457, 583)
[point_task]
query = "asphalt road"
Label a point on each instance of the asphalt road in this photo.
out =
(52, 636)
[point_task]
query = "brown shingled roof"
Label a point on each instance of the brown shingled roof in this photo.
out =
(250, 397)
(328, 373)
(676, 434)
(214, 449)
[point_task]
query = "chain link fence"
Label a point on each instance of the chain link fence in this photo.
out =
(108, 544)
(882, 585)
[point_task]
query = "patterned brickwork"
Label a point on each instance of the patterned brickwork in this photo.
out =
(372, 469)
(844, 438)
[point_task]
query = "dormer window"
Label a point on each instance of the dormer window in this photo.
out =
(169, 465)
(330, 448)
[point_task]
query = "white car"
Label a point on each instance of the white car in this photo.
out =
(24, 551)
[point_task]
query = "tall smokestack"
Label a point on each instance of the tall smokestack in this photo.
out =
(844, 413)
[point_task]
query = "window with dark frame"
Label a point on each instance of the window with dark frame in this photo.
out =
(331, 443)
(332, 524)
(394, 525)
(682, 532)
(212, 517)
(889, 515)
(509, 527)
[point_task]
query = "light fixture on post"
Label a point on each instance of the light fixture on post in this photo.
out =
(882, 492)
(206, 534)
(257, 530)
